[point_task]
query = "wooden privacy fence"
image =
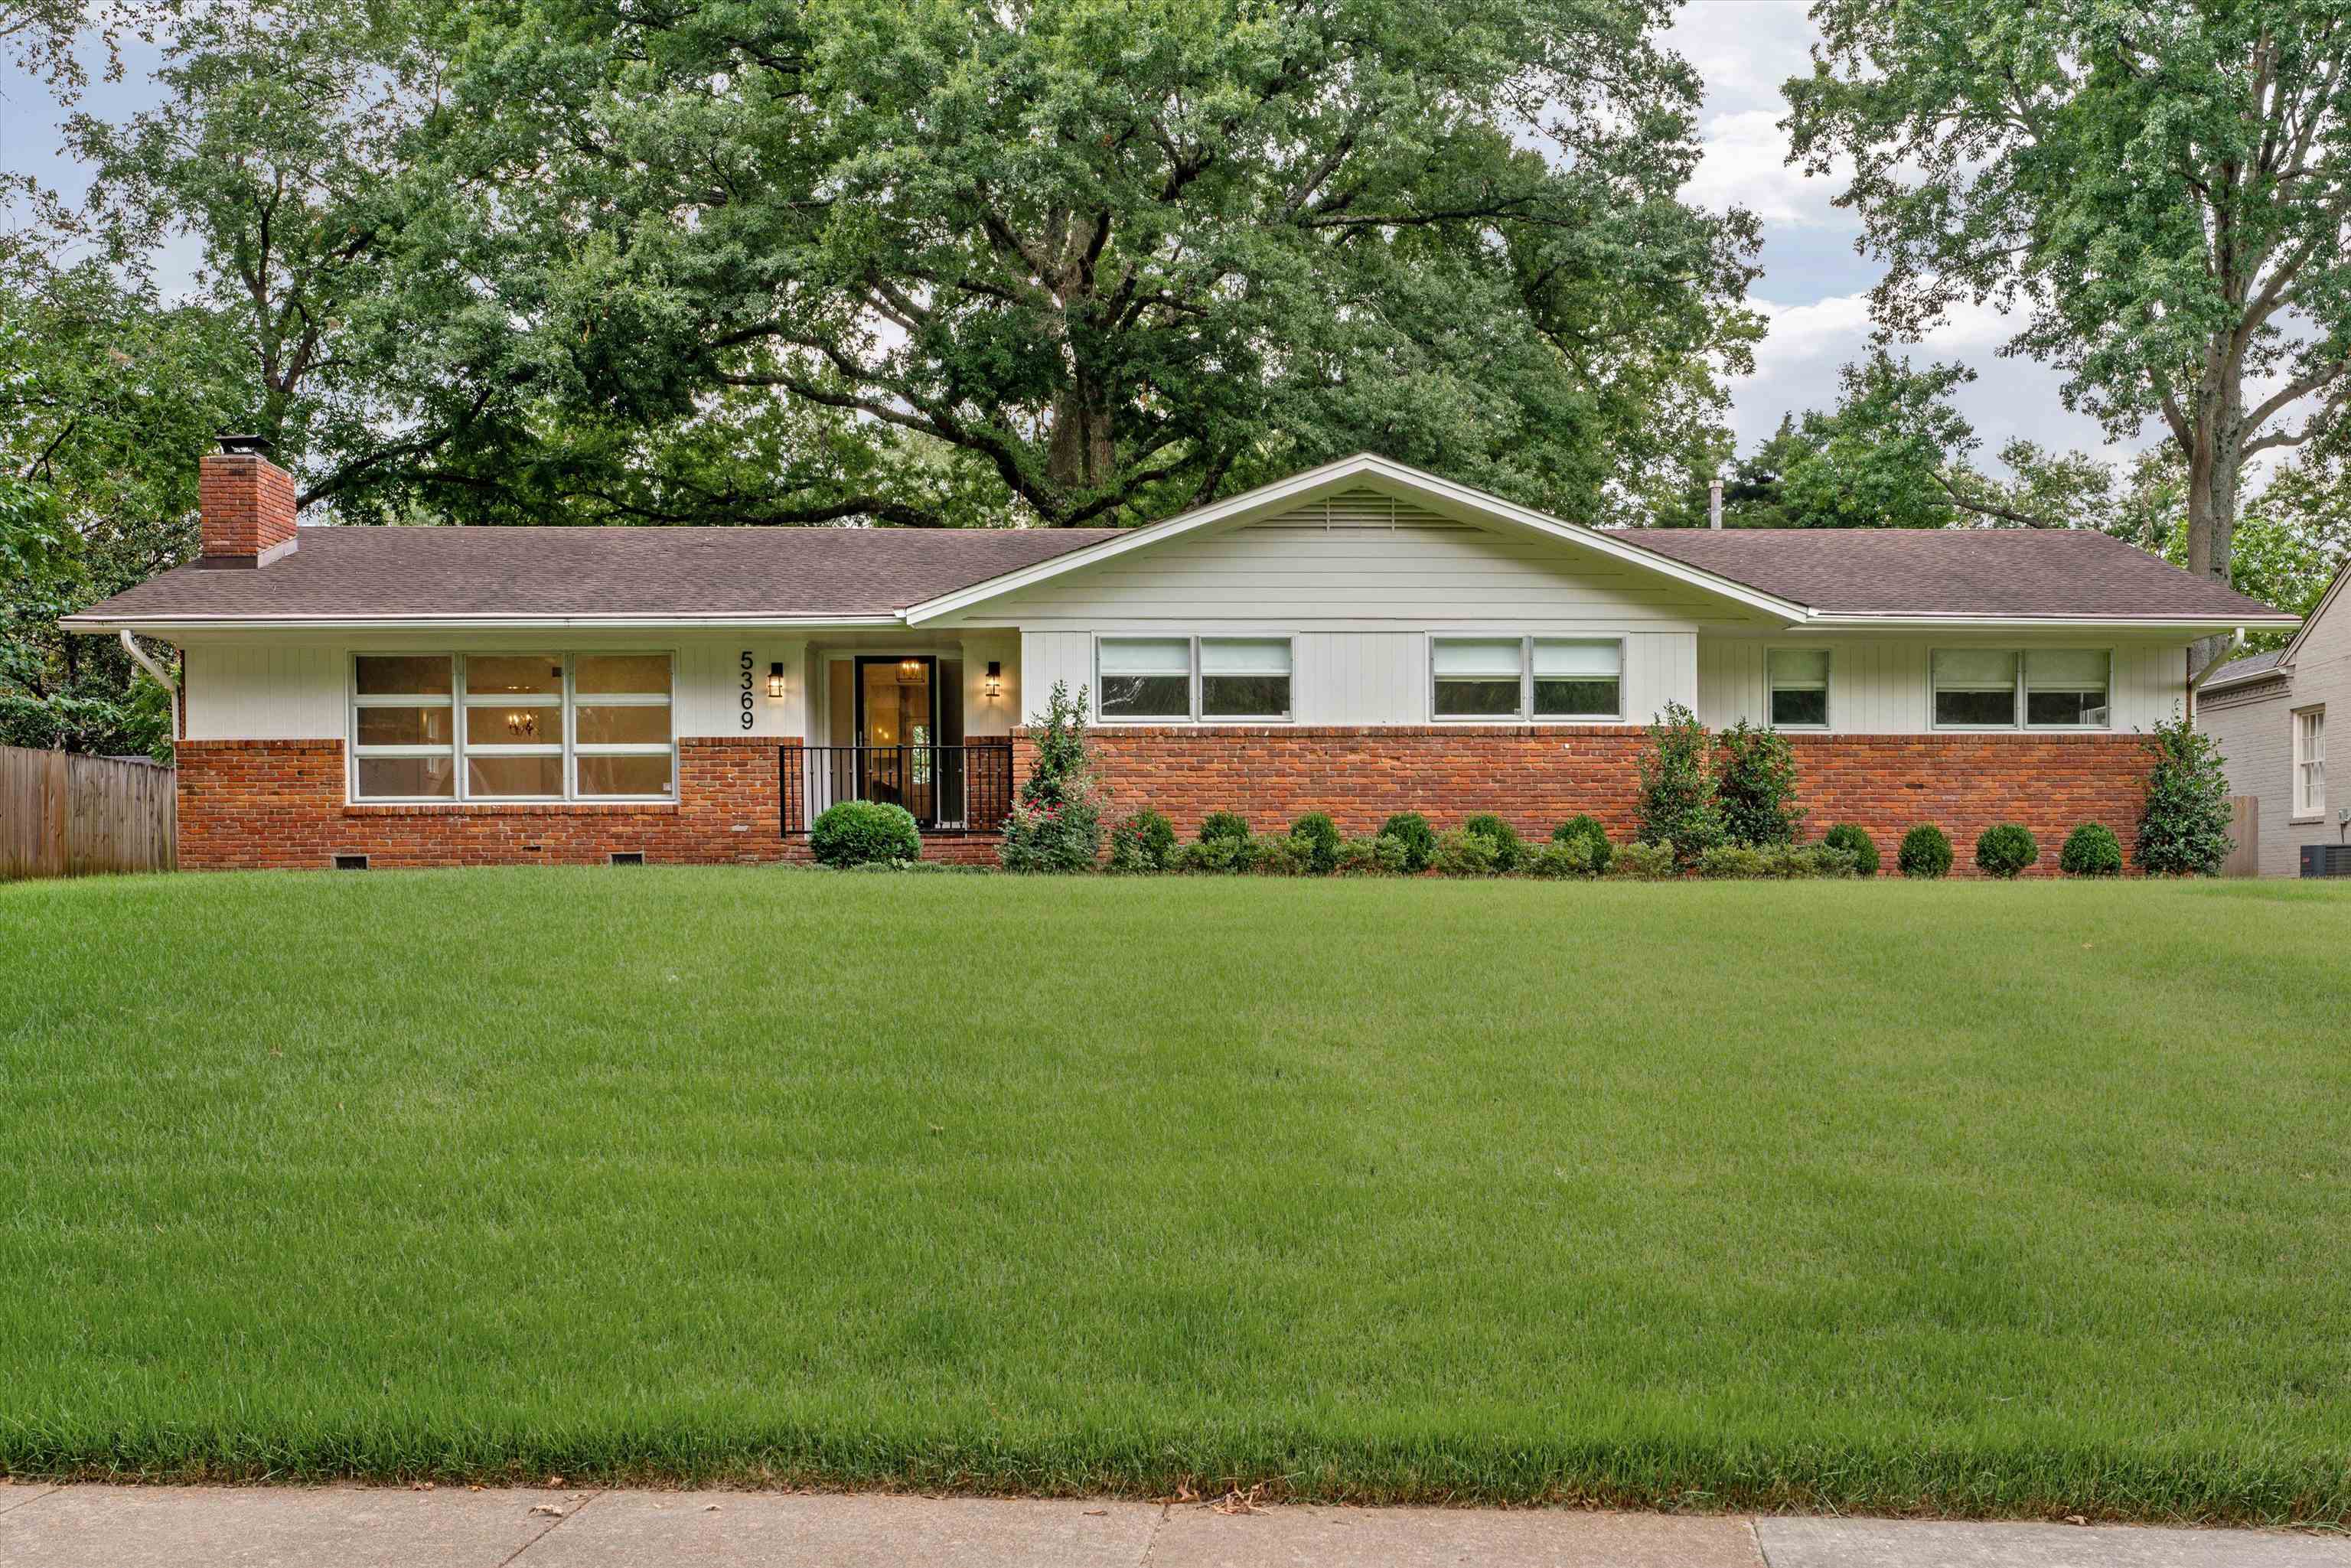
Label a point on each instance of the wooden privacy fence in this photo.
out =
(62, 815)
(2245, 829)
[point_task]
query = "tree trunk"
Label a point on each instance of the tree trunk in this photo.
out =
(1079, 457)
(2215, 475)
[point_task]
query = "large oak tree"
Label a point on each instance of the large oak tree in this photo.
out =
(2163, 191)
(1085, 260)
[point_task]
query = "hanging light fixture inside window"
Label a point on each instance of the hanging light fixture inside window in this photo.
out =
(910, 672)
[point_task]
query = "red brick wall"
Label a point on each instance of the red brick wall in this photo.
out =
(1536, 777)
(245, 502)
(279, 803)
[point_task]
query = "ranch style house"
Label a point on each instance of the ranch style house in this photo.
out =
(1360, 639)
(2268, 713)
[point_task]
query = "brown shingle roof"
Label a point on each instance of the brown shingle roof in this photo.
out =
(649, 572)
(2062, 574)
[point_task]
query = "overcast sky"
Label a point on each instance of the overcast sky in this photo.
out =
(1813, 288)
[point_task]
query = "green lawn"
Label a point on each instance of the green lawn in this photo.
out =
(1964, 1197)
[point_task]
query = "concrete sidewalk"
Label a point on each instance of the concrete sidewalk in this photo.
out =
(344, 1527)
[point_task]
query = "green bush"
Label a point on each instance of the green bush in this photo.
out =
(1279, 854)
(1925, 852)
(1143, 843)
(1381, 856)
(2183, 828)
(1055, 825)
(1731, 863)
(1857, 842)
(1644, 863)
(2005, 849)
(1678, 806)
(1808, 861)
(1589, 830)
(860, 833)
(1464, 853)
(1224, 825)
(1754, 782)
(1411, 829)
(1222, 856)
(1317, 837)
(1563, 858)
(2091, 850)
(1508, 848)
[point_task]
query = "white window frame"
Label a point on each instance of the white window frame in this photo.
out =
(2021, 696)
(458, 701)
(2308, 745)
(1828, 689)
(1526, 641)
(1193, 711)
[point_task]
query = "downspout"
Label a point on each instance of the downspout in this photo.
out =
(162, 677)
(2196, 682)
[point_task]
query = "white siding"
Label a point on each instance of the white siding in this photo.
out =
(1359, 568)
(264, 691)
(1880, 685)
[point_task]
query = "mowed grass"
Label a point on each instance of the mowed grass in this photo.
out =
(1975, 1199)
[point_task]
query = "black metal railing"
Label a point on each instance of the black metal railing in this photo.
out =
(964, 789)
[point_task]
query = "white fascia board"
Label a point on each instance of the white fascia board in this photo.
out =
(1395, 478)
(1859, 620)
(2325, 599)
(165, 625)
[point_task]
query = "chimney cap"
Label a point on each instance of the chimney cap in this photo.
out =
(259, 445)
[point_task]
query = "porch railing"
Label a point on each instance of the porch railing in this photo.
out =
(964, 789)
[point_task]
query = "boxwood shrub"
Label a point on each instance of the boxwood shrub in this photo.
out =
(858, 833)
(1589, 830)
(1223, 825)
(1464, 853)
(1279, 854)
(1864, 849)
(1644, 863)
(1221, 856)
(2091, 850)
(1411, 829)
(2005, 849)
(1925, 852)
(1317, 837)
(1508, 848)
(1381, 856)
(1565, 857)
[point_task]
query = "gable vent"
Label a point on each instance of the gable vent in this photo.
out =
(1362, 511)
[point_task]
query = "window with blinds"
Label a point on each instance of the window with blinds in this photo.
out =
(1578, 678)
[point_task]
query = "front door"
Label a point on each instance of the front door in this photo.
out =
(898, 734)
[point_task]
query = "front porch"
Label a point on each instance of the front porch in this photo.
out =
(952, 792)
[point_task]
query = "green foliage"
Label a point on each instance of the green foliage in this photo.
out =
(1639, 862)
(1223, 855)
(1730, 862)
(2155, 194)
(1857, 842)
(1318, 840)
(1462, 852)
(1568, 857)
(1380, 856)
(2183, 827)
(2006, 850)
(1925, 852)
(1279, 854)
(1411, 829)
(1595, 837)
(1055, 825)
(1143, 843)
(861, 833)
(1678, 806)
(1224, 825)
(2091, 850)
(1508, 848)
(1101, 262)
(1755, 785)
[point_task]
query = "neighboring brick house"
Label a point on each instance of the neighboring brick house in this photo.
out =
(2269, 715)
(1361, 639)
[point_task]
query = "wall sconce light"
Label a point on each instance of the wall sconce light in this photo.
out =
(776, 679)
(995, 679)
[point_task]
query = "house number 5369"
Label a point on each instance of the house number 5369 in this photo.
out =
(749, 707)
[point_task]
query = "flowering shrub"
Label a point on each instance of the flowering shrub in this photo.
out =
(1143, 842)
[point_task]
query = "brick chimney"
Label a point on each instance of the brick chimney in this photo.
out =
(245, 503)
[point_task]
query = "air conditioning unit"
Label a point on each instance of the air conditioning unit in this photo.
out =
(2326, 859)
